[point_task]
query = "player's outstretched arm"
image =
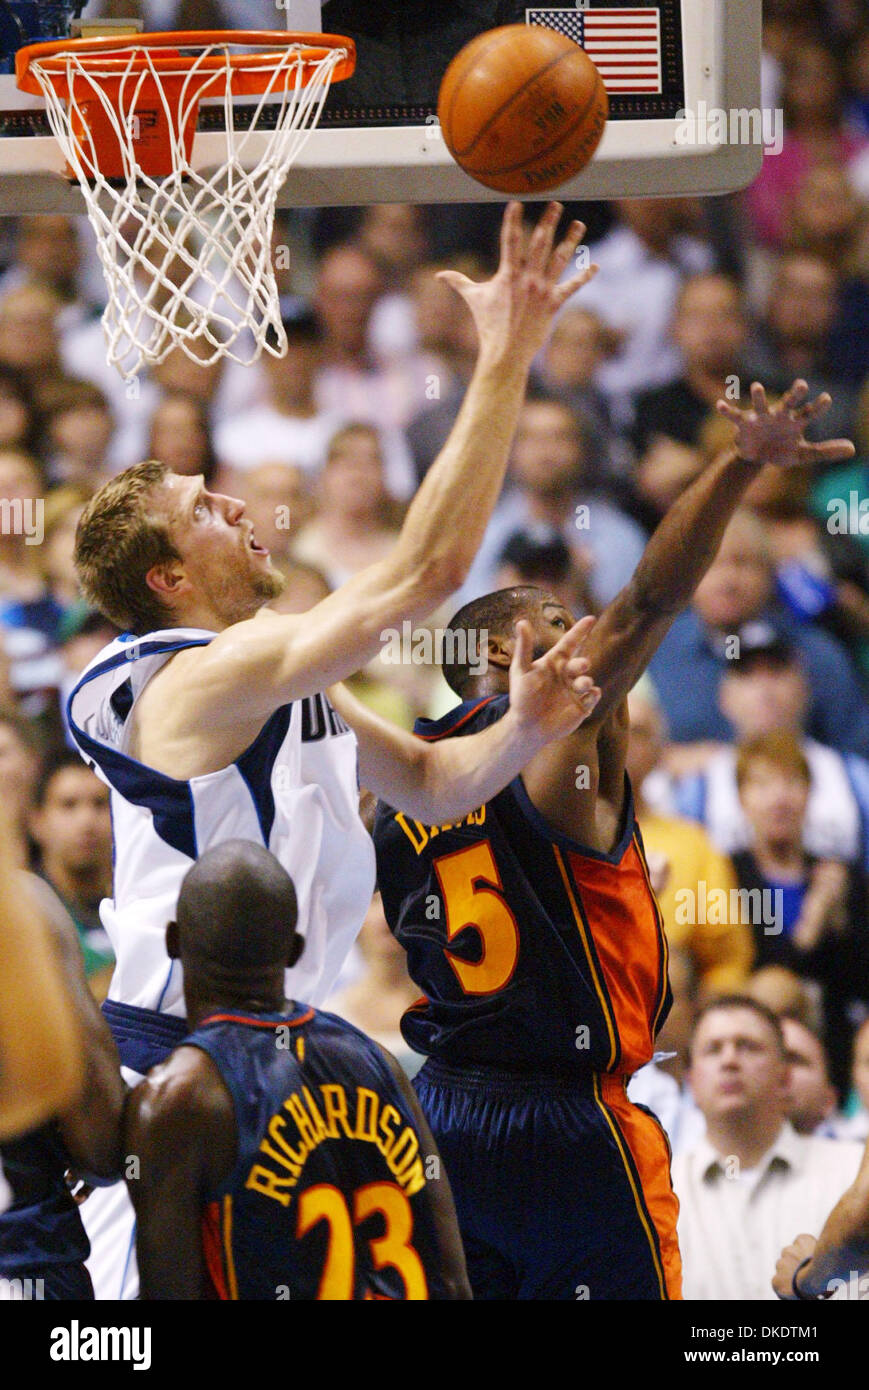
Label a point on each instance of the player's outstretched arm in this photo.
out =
(841, 1249)
(685, 543)
(180, 1130)
(453, 1271)
(632, 627)
(444, 781)
(41, 1065)
(281, 658)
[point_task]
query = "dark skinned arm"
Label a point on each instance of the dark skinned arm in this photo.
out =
(841, 1248)
(91, 1126)
(438, 1192)
(179, 1124)
(632, 627)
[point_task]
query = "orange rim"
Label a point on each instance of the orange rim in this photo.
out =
(110, 56)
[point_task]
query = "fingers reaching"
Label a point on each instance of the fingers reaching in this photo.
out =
(455, 280)
(758, 399)
(543, 239)
(565, 251)
(795, 398)
(523, 649)
(511, 236)
(813, 410)
(831, 451)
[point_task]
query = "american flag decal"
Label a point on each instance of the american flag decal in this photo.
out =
(625, 45)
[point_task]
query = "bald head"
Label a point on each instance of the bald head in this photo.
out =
(237, 911)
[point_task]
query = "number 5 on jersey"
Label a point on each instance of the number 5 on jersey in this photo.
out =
(473, 896)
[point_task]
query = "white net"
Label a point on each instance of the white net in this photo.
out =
(187, 257)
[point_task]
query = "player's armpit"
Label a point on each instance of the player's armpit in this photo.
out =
(567, 781)
(253, 667)
(179, 1139)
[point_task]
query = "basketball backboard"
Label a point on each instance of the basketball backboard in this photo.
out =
(379, 140)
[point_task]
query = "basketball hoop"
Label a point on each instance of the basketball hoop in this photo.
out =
(186, 253)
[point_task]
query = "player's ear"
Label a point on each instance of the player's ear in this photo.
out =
(297, 946)
(172, 950)
(165, 580)
(499, 651)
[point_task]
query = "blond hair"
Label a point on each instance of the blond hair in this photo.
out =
(117, 542)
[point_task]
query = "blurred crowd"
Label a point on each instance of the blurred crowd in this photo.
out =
(750, 735)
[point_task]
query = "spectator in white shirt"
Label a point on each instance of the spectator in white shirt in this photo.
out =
(395, 235)
(752, 1181)
(643, 261)
(292, 426)
(287, 426)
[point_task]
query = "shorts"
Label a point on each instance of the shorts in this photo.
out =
(562, 1185)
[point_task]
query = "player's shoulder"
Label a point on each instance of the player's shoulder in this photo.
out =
(188, 1086)
(464, 718)
(343, 1040)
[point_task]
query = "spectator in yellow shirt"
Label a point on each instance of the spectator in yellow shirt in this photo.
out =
(687, 870)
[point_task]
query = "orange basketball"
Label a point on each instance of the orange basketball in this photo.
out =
(522, 108)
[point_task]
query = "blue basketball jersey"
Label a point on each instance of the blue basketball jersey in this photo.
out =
(42, 1227)
(327, 1198)
(534, 953)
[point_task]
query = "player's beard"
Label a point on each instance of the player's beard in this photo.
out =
(237, 597)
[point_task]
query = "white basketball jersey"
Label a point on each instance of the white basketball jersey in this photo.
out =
(294, 790)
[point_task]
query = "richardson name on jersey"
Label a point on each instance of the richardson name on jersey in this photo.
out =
(77, 1343)
(301, 1125)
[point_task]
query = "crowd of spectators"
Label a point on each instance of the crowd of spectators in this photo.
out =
(750, 743)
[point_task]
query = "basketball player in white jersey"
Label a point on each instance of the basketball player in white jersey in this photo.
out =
(208, 720)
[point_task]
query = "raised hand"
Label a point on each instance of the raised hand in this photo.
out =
(776, 434)
(514, 310)
(554, 694)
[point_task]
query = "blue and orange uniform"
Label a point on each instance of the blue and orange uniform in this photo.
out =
(544, 970)
(327, 1198)
(42, 1240)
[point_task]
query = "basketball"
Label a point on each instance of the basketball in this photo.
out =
(522, 109)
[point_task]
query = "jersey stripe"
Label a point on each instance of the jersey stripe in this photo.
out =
(272, 1023)
(469, 714)
(227, 1248)
(585, 938)
(212, 1249)
(635, 1183)
(663, 973)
